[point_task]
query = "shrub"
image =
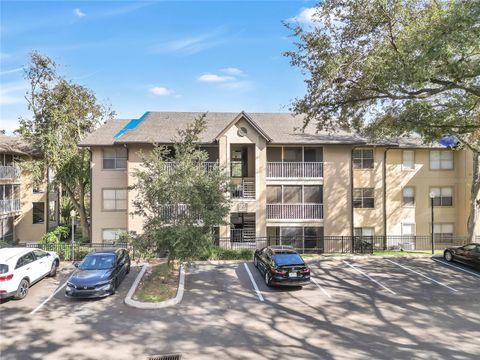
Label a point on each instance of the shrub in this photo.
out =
(218, 253)
(53, 236)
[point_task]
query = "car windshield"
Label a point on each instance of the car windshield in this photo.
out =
(97, 262)
(3, 268)
(288, 259)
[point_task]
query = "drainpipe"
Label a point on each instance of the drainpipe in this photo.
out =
(352, 225)
(384, 185)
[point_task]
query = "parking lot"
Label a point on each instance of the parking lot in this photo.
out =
(370, 308)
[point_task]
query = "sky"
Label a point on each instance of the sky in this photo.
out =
(143, 56)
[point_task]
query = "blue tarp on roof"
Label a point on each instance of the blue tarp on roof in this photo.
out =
(132, 124)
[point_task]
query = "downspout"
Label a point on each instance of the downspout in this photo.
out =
(352, 225)
(91, 198)
(384, 185)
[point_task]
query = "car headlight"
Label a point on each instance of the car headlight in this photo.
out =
(102, 283)
(70, 285)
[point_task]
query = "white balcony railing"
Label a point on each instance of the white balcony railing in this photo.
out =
(245, 190)
(10, 172)
(295, 211)
(9, 206)
(294, 169)
(242, 235)
(208, 165)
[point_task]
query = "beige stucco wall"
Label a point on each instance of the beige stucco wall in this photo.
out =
(25, 229)
(336, 190)
(105, 179)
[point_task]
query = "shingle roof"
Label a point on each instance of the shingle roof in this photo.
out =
(162, 127)
(280, 128)
(103, 136)
(16, 145)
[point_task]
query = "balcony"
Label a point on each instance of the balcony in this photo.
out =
(208, 166)
(244, 190)
(242, 235)
(294, 169)
(9, 206)
(10, 172)
(295, 211)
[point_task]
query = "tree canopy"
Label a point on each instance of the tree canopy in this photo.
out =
(180, 199)
(63, 113)
(389, 68)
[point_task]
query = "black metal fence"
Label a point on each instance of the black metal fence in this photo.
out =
(349, 244)
(78, 251)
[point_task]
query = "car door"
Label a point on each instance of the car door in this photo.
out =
(465, 253)
(476, 256)
(43, 261)
(121, 264)
(266, 259)
(26, 267)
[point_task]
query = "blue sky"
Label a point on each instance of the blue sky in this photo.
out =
(157, 55)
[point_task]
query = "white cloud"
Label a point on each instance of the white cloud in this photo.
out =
(160, 91)
(305, 16)
(10, 71)
(79, 12)
(12, 93)
(214, 78)
(232, 71)
(191, 44)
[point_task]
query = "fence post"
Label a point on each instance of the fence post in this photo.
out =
(353, 244)
(303, 245)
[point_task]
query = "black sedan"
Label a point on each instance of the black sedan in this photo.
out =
(281, 265)
(99, 274)
(467, 254)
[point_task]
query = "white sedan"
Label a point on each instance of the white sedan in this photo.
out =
(22, 267)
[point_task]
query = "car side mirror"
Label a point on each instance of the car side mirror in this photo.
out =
(48, 254)
(76, 263)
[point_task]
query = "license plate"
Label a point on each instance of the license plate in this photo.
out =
(292, 274)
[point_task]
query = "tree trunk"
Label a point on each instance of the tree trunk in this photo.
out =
(81, 210)
(475, 198)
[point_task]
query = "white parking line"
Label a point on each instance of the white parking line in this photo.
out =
(48, 299)
(456, 267)
(369, 277)
(320, 287)
(418, 273)
(259, 294)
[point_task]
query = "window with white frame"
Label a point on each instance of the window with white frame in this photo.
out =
(111, 236)
(408, 160)
(362, 159)
(409, 196)
(441, 160)
(364, 231)
(114, 199)
(115, 158)
(443, 196)
(408, 229)
(363, 198)
(443, 232)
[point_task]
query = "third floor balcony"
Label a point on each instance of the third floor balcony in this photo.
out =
(10, 172)
(294, 169)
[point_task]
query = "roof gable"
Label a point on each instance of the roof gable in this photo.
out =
(248, 119)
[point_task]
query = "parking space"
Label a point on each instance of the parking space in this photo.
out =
(346, 310)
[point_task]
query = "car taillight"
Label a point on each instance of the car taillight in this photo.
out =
(6, 277)
(306, 270)
(278, 272)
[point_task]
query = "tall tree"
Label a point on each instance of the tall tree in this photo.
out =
(63, 113)
(388, 68)
(181, 201)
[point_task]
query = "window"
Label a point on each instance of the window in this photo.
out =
(363, 198)
(40, 254)
(363, 159)
(115, 158)
(408, 229)
(292, 194)
(25, 260)
(443, 196)
(409, 196)
(38, 212)
(312, 194)
(408, 160)
(114, 199)
(292, 154)
(443, 232)
(274, 194)
(441, 160)
(110, 236)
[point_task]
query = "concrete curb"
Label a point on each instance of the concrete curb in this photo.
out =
(155, 305)
(218, 262)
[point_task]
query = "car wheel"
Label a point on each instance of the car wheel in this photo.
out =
(255, 262)
(22, 290)
(267, 278)
(447, 255)
(53, 269)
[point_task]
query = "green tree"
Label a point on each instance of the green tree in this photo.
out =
(63, 113)
(182, 202)
(389, 68)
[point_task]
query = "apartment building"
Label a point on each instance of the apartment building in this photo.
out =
(289, 182)
(23, 205)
